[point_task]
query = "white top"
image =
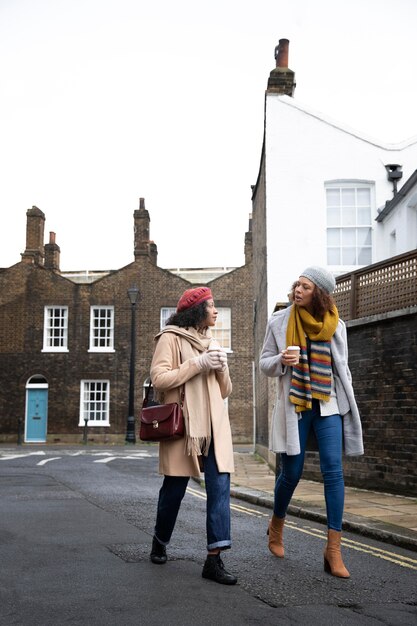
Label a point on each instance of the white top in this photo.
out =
(331, 407)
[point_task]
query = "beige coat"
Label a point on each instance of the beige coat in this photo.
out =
(167, 375)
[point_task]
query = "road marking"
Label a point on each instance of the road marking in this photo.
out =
(106, 460)
(138, 455)
(21, 456)
(101, 454)
(198, 494)
(45, 461)
(379, 553)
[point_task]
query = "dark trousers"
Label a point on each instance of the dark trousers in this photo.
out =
(218, 504)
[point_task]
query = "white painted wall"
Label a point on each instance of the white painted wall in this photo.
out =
(402, 221)
(303, 150)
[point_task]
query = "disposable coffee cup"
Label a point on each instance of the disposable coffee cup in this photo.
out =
(294, 350)
(214, 345)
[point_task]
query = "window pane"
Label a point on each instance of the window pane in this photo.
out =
(348, 256)
(333, 236)
(364, 216)
(348, 197)
(364, 237)
(333, 197)
(166, 312)
(349, 237)
(349, 216)
(365, 256)
(333, 256)
(222, 331)
(364, 196)
(333, 217)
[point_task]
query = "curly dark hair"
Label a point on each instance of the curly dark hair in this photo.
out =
(321, 301)
(192, 317)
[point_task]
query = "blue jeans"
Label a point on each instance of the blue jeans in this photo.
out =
(218, 504)
(328, 431)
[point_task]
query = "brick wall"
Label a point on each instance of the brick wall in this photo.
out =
(234, 290)
(261, 314)
(383, 362)
(26, 288)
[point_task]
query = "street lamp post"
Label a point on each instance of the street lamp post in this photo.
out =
(133, 294)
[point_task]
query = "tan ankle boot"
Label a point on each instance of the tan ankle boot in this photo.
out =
(333, 563)
(275, 532)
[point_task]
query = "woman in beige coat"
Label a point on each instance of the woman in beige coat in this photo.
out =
(186, 360)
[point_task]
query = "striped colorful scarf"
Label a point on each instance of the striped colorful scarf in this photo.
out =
(311, 378)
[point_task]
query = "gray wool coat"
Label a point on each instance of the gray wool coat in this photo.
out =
(284, 432)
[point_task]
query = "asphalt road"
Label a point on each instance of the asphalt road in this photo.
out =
(75, 533)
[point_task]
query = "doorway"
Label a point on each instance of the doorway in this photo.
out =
(36, 410)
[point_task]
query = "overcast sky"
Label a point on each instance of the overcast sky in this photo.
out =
(106, 101)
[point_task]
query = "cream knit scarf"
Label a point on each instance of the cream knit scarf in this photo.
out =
(199, 391)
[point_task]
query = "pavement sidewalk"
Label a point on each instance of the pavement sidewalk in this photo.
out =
(382, 516)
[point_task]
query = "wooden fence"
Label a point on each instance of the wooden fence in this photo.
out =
(379, 288)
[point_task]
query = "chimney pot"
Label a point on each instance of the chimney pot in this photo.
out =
(281, 53)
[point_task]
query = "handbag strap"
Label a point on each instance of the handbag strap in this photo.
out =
(146, 398)
(182, 395)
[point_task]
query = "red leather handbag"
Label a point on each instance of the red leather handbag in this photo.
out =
(161, 422)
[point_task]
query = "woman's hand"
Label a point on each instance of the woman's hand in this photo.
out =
(289, 358)
(211, 360)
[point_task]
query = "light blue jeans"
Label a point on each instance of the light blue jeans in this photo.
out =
(218, 505)
(328, 431)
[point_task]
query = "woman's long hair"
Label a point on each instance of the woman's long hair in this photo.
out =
(321, 301)
(193, 317)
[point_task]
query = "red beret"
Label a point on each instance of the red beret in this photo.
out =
(192, 297)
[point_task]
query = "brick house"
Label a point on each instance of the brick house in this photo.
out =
(320, 198)
(65, 339)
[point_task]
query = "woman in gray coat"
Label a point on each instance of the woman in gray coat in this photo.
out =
(314, 394)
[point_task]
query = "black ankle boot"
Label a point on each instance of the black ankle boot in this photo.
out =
(158, 553)
(214, 570)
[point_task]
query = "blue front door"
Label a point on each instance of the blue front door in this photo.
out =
(36, 416)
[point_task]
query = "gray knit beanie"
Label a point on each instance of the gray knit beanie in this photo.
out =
(320, 277)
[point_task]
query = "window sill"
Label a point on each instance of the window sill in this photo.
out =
(54, 350)
(101, 350)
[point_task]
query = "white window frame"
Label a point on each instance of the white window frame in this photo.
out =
(222, 331)
(165, 313)
(88, 406)
(95, 329)
(51, 332)
(357, 226)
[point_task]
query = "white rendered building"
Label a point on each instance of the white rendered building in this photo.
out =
(321, 192)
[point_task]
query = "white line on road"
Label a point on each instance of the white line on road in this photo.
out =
(53, 458)
(21, 456)
(110, 458)
(101, 454)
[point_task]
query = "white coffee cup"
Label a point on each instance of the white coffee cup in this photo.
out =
(295, 351)
(214, 345)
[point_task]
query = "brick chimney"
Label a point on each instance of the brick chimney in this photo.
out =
(142, 229)
(281, 79)
(248, 242)
(35, 224)
(52, 254)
